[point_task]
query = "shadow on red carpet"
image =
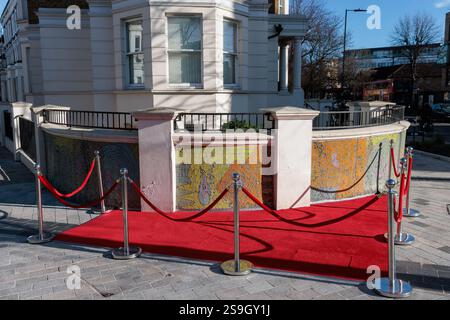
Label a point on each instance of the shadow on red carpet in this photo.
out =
(336, 239)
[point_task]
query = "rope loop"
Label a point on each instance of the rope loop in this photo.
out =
(166, 215)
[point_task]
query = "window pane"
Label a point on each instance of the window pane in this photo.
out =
(229, 62)
(184, 33)
(229, 37)
(185, 67)
(134, 31)
(136, 63)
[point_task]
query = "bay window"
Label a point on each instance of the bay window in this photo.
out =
(229, 53)
(185, 50)
(135, 54)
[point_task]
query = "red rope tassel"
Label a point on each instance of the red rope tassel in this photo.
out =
(166, 215)
(91, 204)
(77, 190)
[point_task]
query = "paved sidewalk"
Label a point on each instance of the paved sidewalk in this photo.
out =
(40, 272)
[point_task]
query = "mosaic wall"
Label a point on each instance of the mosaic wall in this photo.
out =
(338, 164)
(68, 161)
(200, 184)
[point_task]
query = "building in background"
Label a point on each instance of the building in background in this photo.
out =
(214, 56)
(372, 58)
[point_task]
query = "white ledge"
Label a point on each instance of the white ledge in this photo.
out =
(98, 135)
(361, 132)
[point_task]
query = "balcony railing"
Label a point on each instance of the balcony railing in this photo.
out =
(27, 139)
(90, 119)
(334, 120)
(223, 122)
(7, 121)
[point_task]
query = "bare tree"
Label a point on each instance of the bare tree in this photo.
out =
(414, 33)
(322, 43)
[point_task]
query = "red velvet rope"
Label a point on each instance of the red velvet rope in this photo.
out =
(77, 190)
(166, 215)
(397, 174)
(408, 179)
(399, 213)
(91, 204)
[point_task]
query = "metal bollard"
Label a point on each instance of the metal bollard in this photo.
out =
(403, 238)
(126, 252)
(236, 267)
(390, 158)
(407, 211)
(392, 287)
(100, 180)
(42, 237)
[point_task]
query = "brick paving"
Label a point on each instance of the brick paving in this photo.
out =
(40, 272)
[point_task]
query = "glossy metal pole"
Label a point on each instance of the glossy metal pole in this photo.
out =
(126, 252)
(403, 238)
(236, 267)
(392, 287)
(390, 159)
(100, 180)
(407, 211)
(42, 237)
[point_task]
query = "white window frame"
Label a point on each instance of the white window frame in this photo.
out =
(127, 54)
(235, 54)
(169, 51)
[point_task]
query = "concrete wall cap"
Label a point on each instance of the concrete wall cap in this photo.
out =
(291, 113)
(158, 113)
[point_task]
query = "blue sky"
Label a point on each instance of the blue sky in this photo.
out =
(391, 11)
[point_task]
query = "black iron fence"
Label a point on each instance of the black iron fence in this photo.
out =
(27, 139)
(7, 121)
(90, 119)
(330, 120)
(223, 121)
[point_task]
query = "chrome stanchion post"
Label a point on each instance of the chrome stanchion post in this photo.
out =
(236, 267)
(392, 287)
(403, 238)
(100, 180)
(390, 158)
(126, 252)
(407, 211)
(42, 237)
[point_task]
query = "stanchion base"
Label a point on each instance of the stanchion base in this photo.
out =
(412, 213)
(37, 239)
(229, 268)
(120, 254)
(405, 239)
(401, 289)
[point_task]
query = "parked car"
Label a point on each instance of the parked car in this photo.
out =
(441, 112)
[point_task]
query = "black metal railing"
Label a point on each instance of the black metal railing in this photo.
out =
(90, 119)
(330, 120)
(27, 139)
(223, 121)
(7, 121)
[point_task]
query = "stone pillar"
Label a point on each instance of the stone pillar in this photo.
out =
(157, 156)
(284, 60)
(298, 90)
(37, 116)
(292, 154)
(18, 109)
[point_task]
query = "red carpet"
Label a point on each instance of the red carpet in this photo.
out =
(337, 239)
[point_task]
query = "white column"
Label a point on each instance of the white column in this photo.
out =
(157, 157)
(297, 65)
(292, 154)
(284, 60)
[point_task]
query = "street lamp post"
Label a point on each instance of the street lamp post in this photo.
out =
(345, 42)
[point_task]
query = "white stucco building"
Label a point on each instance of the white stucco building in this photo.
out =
(202, 55)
